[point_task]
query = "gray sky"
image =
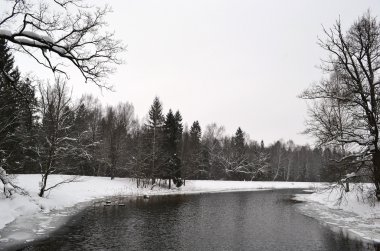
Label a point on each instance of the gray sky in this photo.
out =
(236, 63)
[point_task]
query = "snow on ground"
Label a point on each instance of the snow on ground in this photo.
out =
(355, 215)
(40, 214)
(90, 188)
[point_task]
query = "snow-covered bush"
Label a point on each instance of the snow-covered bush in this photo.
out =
(8, 187)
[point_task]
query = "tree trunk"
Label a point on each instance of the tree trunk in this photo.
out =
(170, 183)
(112, 172)
(43, 186)
(376, 172)
(288, 171)
(347, 188)
(278, 167)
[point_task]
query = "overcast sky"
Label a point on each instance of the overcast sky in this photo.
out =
(236, 63)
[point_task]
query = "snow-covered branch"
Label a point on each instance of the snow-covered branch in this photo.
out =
(63, 31)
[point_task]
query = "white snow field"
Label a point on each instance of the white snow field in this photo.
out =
(354, 215)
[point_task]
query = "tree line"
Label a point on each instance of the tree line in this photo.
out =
(43, 130)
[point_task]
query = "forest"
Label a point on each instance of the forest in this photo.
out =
(44, 130)
(79, 170)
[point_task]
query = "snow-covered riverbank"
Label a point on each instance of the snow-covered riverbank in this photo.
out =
(354, 214)
(90, 188)
(33, 209)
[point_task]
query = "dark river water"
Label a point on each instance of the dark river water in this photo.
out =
(264, 220)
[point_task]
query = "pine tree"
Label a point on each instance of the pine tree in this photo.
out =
(178, 134)
(155, 125)
(195, 134)
(155, 116)
(239, 157)
(172, 139)
(185, 155)
(16, 114)
(195, 150)
(239, 141)
(178, 127)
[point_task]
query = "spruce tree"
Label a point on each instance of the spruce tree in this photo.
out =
(195, 134)
(16, 114)
(239, 141)
(155, 125)
(178, 127)
(195, 149)
(238, 153)
(178, 140)
(155, 115)
(173, 134)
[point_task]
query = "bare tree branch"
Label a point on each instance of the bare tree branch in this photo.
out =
(64, 31)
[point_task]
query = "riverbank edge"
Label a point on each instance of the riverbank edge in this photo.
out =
(348, 229)
(81, 206)
(124, 187)
(102, 201)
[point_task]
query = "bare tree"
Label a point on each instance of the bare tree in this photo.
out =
(231, 156)
(54, 142)
(62, 31)
(279, 159)
(211, 141)
(94, 117)
(347, 110)
(118, 123)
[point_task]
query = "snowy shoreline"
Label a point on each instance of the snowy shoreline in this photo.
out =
(43, 215)
(21, 209)
(356, 219)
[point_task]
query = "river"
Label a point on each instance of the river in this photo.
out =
(260, 220)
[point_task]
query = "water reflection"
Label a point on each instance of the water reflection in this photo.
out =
(265, 220)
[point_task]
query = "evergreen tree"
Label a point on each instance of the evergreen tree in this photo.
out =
(173, 134)
(196, 150)
(17, 101)
(195, 134)
(185, 155)
(178, 141)
(239, 141)
(178, 126)
(109, 139)
(155, 125)
(155, 116)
